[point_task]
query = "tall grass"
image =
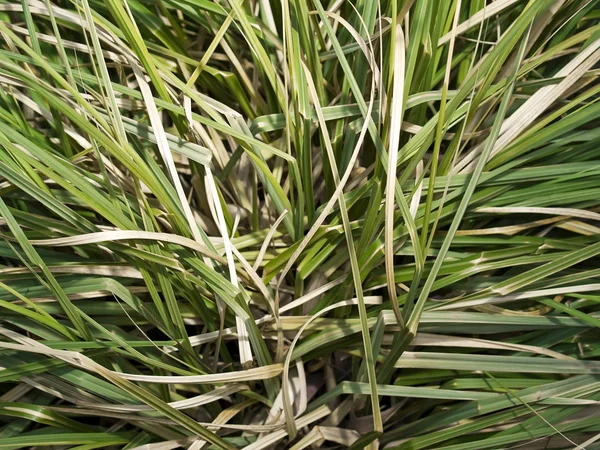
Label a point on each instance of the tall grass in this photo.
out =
(299, 224)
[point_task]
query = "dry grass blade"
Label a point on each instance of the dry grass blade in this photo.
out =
(125, 235)
(397, 109)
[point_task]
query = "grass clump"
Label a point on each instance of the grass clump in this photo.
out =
(259, 224)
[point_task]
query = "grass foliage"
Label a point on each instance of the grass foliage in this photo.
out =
(299, 224)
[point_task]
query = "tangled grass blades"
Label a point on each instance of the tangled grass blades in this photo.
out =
(300, 224)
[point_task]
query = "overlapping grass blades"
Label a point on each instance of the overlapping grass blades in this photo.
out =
(259, 224)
